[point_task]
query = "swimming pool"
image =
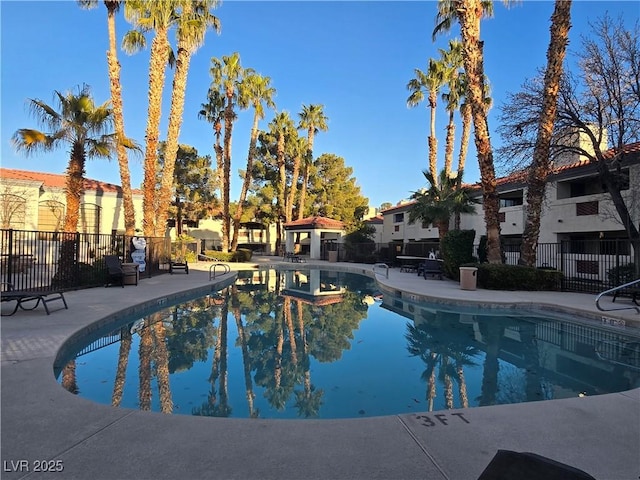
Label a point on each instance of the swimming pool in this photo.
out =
(311, 343)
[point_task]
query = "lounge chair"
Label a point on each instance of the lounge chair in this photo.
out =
(117, 273)
(430, 266)
(23, 296)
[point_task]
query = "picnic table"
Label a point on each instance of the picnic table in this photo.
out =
(409, 263)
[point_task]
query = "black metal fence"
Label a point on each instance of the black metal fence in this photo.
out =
(589, 266)
(32, 259)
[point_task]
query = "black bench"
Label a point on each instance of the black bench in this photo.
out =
(431, 267)
(184, 266)
(23, 296)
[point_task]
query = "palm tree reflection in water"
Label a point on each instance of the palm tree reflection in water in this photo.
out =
(286, 325)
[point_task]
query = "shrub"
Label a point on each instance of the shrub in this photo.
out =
(240, 255)
(517, 277)
(621, 274)
(457, 249)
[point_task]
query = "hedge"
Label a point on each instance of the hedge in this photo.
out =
(517, 277)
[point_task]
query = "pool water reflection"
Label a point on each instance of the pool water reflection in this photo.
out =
(323, 344)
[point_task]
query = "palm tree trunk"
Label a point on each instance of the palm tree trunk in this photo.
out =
(246, 361)
(162, 365)
(173, 133)
(293, 189)
(541, 166)
(144, 369)
(465, 111)
(305, 171)
(246, 182)
(157, 64)
(69, 381)
(121, 370)
(74, 187)
(226, 184)
(433, 140)
(448, 151)
(469, 15)
(118, 121)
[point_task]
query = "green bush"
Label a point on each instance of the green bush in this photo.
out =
(457, 249)
(622, 274)
(240, 255)
(517, 277)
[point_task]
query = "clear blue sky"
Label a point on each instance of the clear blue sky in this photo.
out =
(355, 58)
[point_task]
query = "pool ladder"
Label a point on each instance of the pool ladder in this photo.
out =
(381, 265)
(613, 290)
(213, 269)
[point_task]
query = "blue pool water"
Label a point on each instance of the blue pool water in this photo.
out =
(322, 344)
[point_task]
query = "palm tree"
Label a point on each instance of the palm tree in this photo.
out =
(452, 61)
(253, 91)
(468, 14)
(146, 16)
(113, 6)
(313, 119)
(440, 201)
(213, 112)
(227, 73)
(79, 123)
(298, 146)
(541, 166)
(193, 22)
(281, 127)
(431, 82)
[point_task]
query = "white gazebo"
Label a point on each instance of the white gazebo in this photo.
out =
(318, 230)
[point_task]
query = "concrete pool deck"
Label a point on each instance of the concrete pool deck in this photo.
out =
(43, 422)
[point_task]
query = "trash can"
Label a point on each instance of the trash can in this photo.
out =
(468, 278)
(333, 256)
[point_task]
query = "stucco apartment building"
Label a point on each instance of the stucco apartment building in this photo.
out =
(36, 201)
(576, 207)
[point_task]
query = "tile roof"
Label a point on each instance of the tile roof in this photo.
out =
(56, 180)
(375, 220)
(316, 222)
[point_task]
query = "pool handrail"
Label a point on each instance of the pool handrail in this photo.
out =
(381, 265)
(615, 289)
(212, 269)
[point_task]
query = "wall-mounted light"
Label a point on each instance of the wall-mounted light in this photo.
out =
(559, 220)
(513, 224)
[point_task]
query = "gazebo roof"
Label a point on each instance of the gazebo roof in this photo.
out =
(315, 222)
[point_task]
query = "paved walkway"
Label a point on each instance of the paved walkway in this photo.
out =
(43, 426)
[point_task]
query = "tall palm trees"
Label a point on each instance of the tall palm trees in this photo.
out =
(312, 119)
(227, 73)
(148, 16)
(540, 168)
(468, 14)
(193, 22)
(430, 81)
(254, 90)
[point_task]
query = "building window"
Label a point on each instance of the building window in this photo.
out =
(502, 217)
(12, 211)
(89, 221)
(50, 216)
(398, 217)
(587, 208)
(396, 228)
